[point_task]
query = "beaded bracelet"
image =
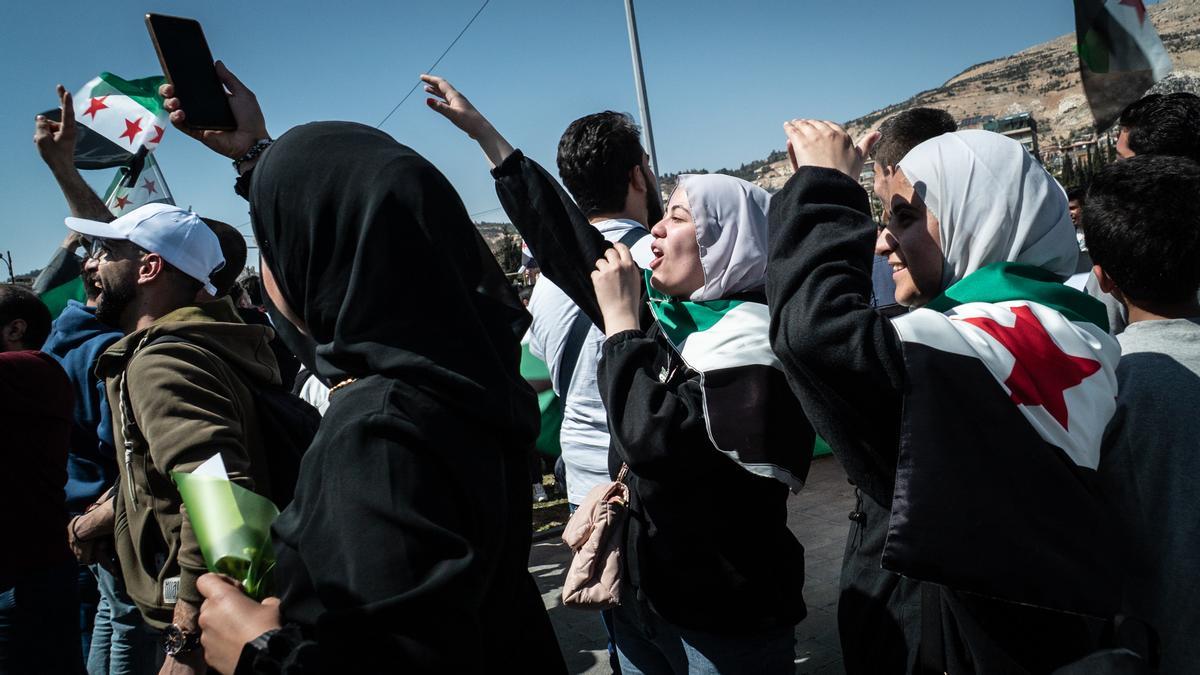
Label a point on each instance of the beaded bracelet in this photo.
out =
(254, 151)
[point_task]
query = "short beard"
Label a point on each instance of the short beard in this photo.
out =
(654, 207)
(114, 300)
(90, 289)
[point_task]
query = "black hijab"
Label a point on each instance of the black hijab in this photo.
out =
(371, 246)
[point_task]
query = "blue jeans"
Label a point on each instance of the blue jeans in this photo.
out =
(89, 599)
(122, 644)
(665, 649)
(39, 623)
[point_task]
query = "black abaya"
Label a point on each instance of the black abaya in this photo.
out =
(406, 547)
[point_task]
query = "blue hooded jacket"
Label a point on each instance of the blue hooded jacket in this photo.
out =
(77, 339)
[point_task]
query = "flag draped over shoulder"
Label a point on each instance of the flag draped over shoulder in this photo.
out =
(1120, 55)
(1012, 382)
(116, 118)
(745, 390)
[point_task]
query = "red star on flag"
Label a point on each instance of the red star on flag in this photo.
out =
(149, 186)
(1042, 371)
(132, 129)
(97, 104)
(122, 202)
(158, 131)
(1138, 6)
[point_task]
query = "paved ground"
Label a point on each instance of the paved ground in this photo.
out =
(818, 517)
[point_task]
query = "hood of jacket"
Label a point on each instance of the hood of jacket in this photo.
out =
(75, 327)
(214, 326)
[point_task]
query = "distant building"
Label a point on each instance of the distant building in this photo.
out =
(976, 122)
(1021, 127)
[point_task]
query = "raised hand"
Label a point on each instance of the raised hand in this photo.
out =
(617, 281)
(827, 145)
(55, 141)
(251, 126)
(451, 104)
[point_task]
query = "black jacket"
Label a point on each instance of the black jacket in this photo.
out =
(708, 547)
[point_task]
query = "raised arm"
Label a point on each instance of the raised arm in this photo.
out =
(565, 244)
(842, 358)
(55, 142)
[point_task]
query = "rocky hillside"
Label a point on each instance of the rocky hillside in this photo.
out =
(1042, 80)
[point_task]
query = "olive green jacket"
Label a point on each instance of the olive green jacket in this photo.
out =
(183, 403)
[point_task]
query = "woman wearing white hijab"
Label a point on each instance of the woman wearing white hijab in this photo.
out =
(698, 410)
(715, 576)
(971, 425)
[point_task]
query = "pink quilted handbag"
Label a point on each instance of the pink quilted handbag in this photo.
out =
(596, 532)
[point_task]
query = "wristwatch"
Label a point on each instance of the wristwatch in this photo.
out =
(178, 641)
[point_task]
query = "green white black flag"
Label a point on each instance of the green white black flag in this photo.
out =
(131, 188)
(1120, 55)
(115, 119)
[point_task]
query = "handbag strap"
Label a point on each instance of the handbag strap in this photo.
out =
(580, 328)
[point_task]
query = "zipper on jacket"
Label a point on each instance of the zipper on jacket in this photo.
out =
(126, 429)
(129, 470)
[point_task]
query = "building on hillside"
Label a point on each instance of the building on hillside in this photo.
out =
(976, 122)
(1021, 127)
(1074, 161)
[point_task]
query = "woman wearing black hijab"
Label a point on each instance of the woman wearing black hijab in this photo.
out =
(407, 544)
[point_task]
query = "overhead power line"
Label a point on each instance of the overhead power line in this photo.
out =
(435, 63)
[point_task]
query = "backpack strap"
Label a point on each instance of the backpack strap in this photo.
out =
(580, 328)
(125, 408)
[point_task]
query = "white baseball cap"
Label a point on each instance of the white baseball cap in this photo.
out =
(176, 234)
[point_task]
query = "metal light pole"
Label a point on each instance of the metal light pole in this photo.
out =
(640, 82)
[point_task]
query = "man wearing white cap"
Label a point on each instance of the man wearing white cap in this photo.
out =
(180, 388)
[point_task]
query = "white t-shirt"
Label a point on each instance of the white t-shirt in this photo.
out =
(584, 435)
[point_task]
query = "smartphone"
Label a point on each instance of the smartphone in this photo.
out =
(188, 64)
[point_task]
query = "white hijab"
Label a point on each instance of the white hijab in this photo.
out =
(994, 202)
(731, 229)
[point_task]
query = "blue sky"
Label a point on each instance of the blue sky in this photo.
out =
(722, 76)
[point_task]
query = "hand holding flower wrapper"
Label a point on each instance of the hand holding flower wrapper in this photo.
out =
(232, 525)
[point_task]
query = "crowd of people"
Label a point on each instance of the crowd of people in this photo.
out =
(1005, 369)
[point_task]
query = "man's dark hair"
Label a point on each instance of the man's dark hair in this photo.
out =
(1142, 225)
(1077, 194)
(184, 284)
(18, 302)
(1164, 124)
(906, 130)
(233, 248)
(252, 285)
(595, 155)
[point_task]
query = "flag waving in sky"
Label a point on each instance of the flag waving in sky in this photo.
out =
(133, 187)
(1120, 55)
(116, 118)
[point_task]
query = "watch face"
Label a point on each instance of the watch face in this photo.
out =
(178, 641)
